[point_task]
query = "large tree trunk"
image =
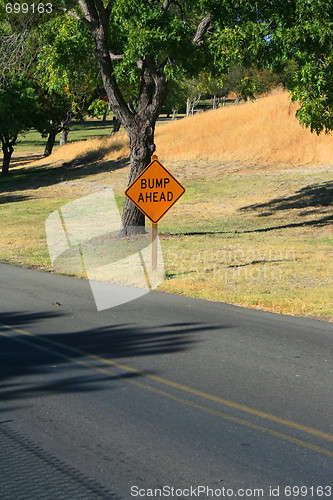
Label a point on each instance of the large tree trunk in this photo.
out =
(142, 147)
(50, 142)
(141, 130)
(139, 123)
(7, 149)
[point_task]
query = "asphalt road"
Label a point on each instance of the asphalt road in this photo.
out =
(164, 391)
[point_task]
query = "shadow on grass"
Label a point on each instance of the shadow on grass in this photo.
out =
(323, 221)
(313, 199)
(94, 155)
(44, 364)
(24, 160)
(12, 198)
(92, 125)
(314, 195)
(32, 142)
(88, 163)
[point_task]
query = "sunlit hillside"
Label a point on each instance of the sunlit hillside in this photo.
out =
(264, 131)
(90, 150)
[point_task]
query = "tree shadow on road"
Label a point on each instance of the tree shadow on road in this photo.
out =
(79, 361)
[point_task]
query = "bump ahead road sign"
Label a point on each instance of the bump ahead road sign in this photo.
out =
(154, 191)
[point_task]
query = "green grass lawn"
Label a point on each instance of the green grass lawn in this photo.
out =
(255, 238)
(33, 141)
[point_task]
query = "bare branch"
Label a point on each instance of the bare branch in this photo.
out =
(72, 13)
(116, 57)
(203, 27)
(166, 4)
(167, 60)
(14, 56)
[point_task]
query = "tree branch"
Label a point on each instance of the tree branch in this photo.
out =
(116, 57)
(164, 63)
(202, 29)
(153, 89)
(90, 13)
(103, 14)
(72, 14)
(166, 4)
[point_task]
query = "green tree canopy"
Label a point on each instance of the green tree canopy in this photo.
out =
(66, 72)
(141, 46)
(19, 111)
(301, 31)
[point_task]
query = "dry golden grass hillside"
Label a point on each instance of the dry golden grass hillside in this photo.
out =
(88, 151)
(263, 131)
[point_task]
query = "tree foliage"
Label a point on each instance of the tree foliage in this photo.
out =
(143, 49)
(66, 74)
(99, 107)
(65, 63)
(18, 108)
(144, 46)
(19, 111)
(302, 31)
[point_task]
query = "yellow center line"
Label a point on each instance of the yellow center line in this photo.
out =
(189, 390)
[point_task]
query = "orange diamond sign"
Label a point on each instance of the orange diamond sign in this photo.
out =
(154, 191)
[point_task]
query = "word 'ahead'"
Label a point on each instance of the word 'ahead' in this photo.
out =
(154, 191)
